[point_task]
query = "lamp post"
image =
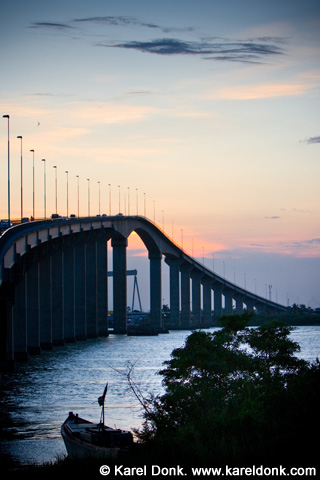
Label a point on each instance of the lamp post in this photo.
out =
(67, 193)
(78, 194)
(119, 198)
(8, 117)
(109, 198)
(144, 204)
(56, 187)
(33, 214)
(137, 201)
(128, 201)
(44, 188)
(21, 177)
(88, 180)
(99, 197)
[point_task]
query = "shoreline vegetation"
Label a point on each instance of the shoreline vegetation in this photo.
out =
(238, 396)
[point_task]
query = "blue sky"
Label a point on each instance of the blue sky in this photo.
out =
(207, 111)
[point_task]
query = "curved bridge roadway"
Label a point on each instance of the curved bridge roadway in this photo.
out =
(53, 283)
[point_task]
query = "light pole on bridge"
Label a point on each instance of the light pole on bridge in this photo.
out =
(67, 193)
(44, 188)
(8, 117)
(21, 177)
(33, 209)
(99, 197)
(56, 187)
(78, 194)
(88, 180)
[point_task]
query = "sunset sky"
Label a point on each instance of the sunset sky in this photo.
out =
(205, 111)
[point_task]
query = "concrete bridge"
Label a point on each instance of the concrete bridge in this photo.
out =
(54, 283)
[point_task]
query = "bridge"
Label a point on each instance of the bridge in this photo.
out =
(54, 283)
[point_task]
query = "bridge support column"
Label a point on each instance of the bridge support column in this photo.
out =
(102, 284)
(119, 246)
(228, 301)
(91, 285)
(196, 298)
(174, 292)
(239, 304)
(206, 282)
(250, 304)
(217, 300)
(45, 300)
(155, 290)
(20, 322)
(32, 308)
(68, 292)
(185, 316)
(57, 312)
(80, 288)
(6, 329)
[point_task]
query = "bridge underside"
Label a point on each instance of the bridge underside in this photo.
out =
(54, 286)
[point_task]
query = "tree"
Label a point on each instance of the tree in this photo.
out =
(233, 395)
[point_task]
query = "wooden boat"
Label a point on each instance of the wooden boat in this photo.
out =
(83, 438)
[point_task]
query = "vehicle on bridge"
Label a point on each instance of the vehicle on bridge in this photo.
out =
(4, 225)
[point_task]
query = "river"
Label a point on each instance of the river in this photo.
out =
(37, 396)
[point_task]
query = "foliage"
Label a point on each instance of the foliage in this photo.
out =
(235, 395)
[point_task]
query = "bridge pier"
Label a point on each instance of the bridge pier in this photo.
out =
(217, 299)
(56, 296)
(207, 304)
(239, 303)
(155, 290)
(68, 292)
(45, 299)
(32, 308)
(174, 292)
(196, 298)
(20, 322)
(102, 284)
(91, 285)
(119, 246)
(228, 296)
(80, 288)
(185, 316)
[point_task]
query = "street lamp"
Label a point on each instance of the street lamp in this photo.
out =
(44, 188)
(21, 178)
(78, 194)
(67, 193)
(128, 201)
(137, 201)
(119, 198)
(99, 197)
(33, 214)
(56, 186)
(88, 180)
(109, 198)
(8, 117)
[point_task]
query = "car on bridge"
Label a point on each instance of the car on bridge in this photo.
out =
(5, 223)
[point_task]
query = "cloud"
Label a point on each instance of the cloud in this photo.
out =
(51, 25)
(272, 218)
(312, 140)
(220, 49)
(265, 90)
(125, 21)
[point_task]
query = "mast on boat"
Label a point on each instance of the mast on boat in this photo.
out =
(101, 403)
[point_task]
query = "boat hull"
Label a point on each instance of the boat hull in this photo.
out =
(82, 438)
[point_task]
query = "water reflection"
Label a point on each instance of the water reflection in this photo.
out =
(36, 398)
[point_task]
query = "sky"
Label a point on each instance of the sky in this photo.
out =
(202, 115)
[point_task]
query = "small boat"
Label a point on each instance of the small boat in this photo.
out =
(86, 439)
